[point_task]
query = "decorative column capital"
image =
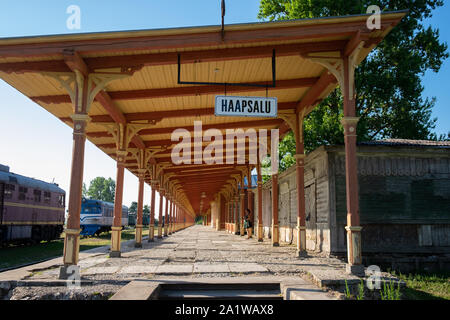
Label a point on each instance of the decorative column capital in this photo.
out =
(141, 173)
(300, 159)
(80, 117)
(349, 124)
(121, 154)
(80, 121)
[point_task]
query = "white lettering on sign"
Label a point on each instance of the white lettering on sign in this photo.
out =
(246, 106)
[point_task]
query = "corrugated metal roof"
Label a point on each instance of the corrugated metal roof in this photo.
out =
(408, 142)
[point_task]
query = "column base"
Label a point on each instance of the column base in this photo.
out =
(355, 269)
(302, 254)
(275, 244)
(67, 271)
(151, 240)
(114, 254)
(138, 245)
(260, 240)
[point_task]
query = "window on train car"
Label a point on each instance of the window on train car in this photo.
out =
(47, 197)
(22, 193)
(61, 200)
(37, 195)
(9, 191)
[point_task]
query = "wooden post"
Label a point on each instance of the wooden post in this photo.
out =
(72, 232)
(117, 221)
(275, 233)
(349, 122)
(151, 226)
(160, 213)
(260, 205)
(139, 218)
(242, 207)
(172, 206)
(300, 177)
(166, 215)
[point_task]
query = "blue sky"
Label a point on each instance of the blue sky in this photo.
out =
(35, 143)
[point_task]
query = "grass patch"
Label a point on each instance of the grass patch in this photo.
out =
(426, 286)
(13, 255)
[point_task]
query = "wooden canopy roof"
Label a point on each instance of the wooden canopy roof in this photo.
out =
(150, 94)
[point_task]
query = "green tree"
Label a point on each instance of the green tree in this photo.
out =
(146, 209)
(390, 100)
(102, 189)
(84, 191)
(133, 207)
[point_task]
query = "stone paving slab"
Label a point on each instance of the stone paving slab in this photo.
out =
(138, 269)
(174, 269)
(246, 267)
(100, 270)
(211, 268)
(87, 263)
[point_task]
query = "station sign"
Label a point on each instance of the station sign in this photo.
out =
(246, 106)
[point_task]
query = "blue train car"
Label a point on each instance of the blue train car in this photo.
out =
(97, 216)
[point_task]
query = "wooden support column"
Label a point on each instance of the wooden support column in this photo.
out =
(300, 178)
(260, 205)
(242, 207)
(231, 213)
(151, 227)
(349, 122)
(172, 209)
(81, 104)
(175, 208)
(117, 220)
(166, 215)
(160, 214)
(275, 230)
(72, 232)
(139, 218)
(177, 213)
(249, 197)
(173, 218)
(236, 213)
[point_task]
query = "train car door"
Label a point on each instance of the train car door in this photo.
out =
(2, 198)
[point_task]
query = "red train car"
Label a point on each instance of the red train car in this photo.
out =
(30, 210)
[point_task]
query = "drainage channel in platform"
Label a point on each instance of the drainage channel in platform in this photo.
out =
(234, 291)
(231, 289)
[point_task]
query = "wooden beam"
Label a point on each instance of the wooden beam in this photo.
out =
(159, 115)
(219, 126)
(123, 42)
(314, 93)
(74, 61)
(184, 91)
(157, 59)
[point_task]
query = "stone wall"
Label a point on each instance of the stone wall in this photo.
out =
(404, 197)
